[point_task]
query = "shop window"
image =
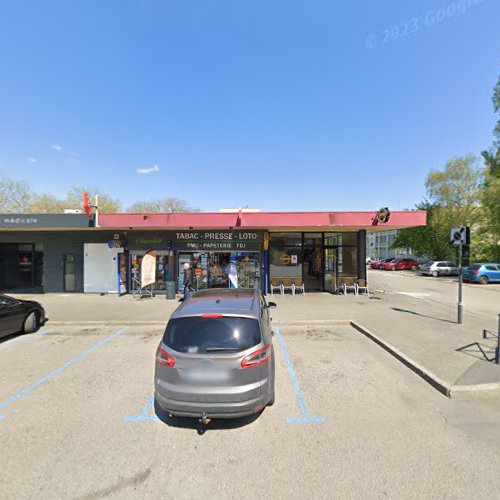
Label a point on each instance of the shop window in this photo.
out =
(348, 261)
(285, 255)
(341, 239)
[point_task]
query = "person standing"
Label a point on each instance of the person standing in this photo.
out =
(188, 280)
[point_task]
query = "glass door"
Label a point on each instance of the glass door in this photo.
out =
(331, 269)
(199, 265)
(69, 273)
(312, 265)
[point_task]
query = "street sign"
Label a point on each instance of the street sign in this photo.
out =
(460, 235)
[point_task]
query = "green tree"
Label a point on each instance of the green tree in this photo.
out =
(453, 196)
(46, 204)
(490, 198)
(165, 205)
(107, 204)
(15, 196)
(432, 240)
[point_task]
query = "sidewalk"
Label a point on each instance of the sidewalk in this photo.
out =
(422, 331)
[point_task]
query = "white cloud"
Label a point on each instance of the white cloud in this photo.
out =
(56, 147)
(154, 168)
(31, 159)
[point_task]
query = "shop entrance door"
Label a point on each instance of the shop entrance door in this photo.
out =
(209, 269)
(312, 267)
(69, 273)
(331, 269)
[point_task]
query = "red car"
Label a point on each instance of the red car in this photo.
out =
(379, 263)
(400, 265)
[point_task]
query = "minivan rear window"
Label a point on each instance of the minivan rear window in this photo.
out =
(198, 335)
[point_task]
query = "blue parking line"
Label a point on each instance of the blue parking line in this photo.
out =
(40, 381)
(6, 345)
(143, 416)
(305, 419)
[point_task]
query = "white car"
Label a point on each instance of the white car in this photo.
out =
(439, 268)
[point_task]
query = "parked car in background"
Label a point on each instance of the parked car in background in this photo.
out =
(385, 265)
(20, 316)
(216, 357)
(482, 273)
(378, 263)
(401, 264)
(439, 268)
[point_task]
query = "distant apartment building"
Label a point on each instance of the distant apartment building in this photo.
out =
(379, 246)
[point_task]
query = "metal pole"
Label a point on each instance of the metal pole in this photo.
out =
(460, 304)
(96, 210)
(497, 350)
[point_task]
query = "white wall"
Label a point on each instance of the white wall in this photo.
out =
(100, 268)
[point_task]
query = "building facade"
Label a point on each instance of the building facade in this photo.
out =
(379, 246)
(66, 253)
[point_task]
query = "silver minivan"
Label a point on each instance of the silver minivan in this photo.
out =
(216, 358)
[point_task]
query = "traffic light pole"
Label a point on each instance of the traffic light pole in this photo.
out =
(460, 304)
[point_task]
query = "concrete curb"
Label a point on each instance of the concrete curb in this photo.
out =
(422, 372)
(478, 391)
(105, 323)
(313, 322)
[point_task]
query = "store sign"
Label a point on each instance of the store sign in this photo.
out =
(150, 241)
(39, 221)
(240, 241)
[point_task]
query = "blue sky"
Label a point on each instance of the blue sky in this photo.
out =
(317, 105)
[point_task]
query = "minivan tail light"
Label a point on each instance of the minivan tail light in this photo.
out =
(257, 358)
(212, 316)
(164, 358)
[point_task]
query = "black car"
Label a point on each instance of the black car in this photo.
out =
(20, 316)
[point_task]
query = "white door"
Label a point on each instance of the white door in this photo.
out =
(100, 268)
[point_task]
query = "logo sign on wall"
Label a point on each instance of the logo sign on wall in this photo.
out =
(148, 269)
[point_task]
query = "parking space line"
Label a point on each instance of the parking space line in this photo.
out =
(143, 416)
(24, 339)
(40, 381)
(305, 419)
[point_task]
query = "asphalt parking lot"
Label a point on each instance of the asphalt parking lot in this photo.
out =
(76, 421)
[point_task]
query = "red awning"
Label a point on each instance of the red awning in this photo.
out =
(320, 221)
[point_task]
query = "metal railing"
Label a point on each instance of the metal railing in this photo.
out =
(487, 335)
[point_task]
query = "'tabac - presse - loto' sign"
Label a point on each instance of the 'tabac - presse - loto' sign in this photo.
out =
(240, 241)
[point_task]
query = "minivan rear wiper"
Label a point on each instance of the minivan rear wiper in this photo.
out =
(212, 349)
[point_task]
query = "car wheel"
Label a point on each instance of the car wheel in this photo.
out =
(393, 268)
(483, 280)
(435, 274)
(414, 268)
(30, 323)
